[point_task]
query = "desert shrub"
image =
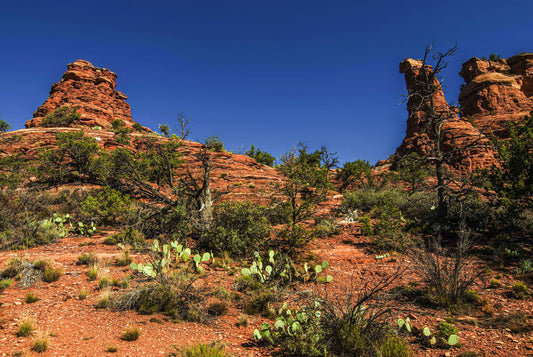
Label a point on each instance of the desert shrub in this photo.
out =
(205, 350)
(62, 116)
(259, 303)
(127, 236)
(213, 143)
(395, 347)
(217, 308)
(137, 127)
(240, 229)
(4, 126)
(107, 205)
(131, 334)
(179, 301)
(326, 227)
(444, 271)
(168, 225)
(354, 174)
(121, 132)
(260, 156)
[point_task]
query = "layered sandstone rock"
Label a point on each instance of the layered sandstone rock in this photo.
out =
(93, 91)
(459, 139)
(497, 92)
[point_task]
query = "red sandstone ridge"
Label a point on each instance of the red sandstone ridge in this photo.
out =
(91, 89)
(459, 137)
(497, 91)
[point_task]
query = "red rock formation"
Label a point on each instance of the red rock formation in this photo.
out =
(458, 137)
(497, 92)
(91, 89)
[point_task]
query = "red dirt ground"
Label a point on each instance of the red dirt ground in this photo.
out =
(76, 328)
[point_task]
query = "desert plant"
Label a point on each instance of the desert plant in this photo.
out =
(107, 205)
(104, 301)
(40, 345)
(25, 328)
(92, 273)
(5, 283)
(83, 294)
(31, 297)
(213, 143)
(205, 350)
(240, 228)
(260, 156)
(444, 270)
(62, 116)
(131, 334)
(87, 259)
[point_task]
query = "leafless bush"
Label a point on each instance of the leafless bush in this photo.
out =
(444, 270)
(357, 324)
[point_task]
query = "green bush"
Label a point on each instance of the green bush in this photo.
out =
(213, 143)
(62, 116)
(107, 205)
(240, 229)
(4, 126)
(261, 157)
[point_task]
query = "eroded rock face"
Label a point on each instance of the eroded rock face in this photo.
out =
(91, 89)
(459, 137)
(497, 92)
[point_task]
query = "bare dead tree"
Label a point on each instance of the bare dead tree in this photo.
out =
(184, 129)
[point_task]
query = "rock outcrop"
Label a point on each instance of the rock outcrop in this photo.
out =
(497, 92)
(93, 91)
(458, 137)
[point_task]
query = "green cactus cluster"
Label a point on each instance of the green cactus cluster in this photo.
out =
(166, 255)
(302, 327)
(279, 268)
(64, 223)
(445, 335)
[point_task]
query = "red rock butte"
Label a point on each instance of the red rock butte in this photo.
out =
(93, 91)
(496, 92)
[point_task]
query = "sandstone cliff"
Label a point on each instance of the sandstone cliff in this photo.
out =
(497, 91)
(91, 89)
(459, 138)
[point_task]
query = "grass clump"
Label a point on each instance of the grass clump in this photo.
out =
(111, 349)
(206, 350)
(87, 259)
(83, 294)
(92, 273)
(25, 328)
(124, 259)
(519, 291)
(104, 301)
(4, 284)
(104, 283)
(40, 345)
(31, 297)
(131, 334)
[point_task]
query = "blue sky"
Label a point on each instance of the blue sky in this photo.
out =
(270, 73)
